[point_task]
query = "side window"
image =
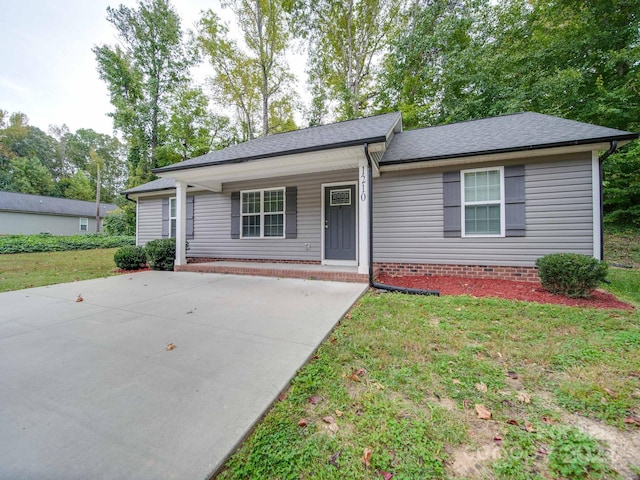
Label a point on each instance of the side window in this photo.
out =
(172, 217)
(483, 202)
(84, 224)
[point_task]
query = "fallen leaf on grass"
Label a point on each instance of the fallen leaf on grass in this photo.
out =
(632, 421)
(611, 392)
(529, 427)
(170, 346)
(302, 422)
(339, 413)
(333, 427)
(547, 420)
(79, 299)
(366, 457)
(456, 381)
(481, 387)
(498, 440)
(314, 399)
(329, 419)
(483, 412)
(512, 374)
(513, 422)
(466, 403)
(524, 398)
(282, 396)
(354, 378)
(334, 458)
(386, 475)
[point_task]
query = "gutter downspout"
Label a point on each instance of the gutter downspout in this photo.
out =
(602, 158)
(372, 283)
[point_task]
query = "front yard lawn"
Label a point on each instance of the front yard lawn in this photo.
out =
(404, 387)
(25, 270)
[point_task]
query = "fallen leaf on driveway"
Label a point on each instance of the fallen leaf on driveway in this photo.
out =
(79, 299)
(170, 346)
(366, 457)
(483, 412)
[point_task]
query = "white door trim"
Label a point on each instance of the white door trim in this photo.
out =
(343, 263)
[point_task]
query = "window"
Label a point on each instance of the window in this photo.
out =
(483, 202)
(172, 217)
(84, 224)
(263, 213)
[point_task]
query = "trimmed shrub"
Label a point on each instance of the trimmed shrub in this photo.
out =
(161, 253)
(130, 257)
(570, 274)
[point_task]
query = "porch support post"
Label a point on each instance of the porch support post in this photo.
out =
(181, 223)
(363, 216)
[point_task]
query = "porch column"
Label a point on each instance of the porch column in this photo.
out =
(181, 223)
(363, 216)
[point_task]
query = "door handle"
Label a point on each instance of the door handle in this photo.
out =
(326, 224)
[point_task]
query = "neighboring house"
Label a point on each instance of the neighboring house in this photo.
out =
(21, 213)
(479, 198)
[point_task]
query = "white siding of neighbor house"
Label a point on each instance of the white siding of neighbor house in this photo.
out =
(408, 218)
(212, 220)
(19, 223)
(149, 219)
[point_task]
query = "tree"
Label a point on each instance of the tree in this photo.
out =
(142, 75)
(28, 175)
(345, 40)
(79, 187)
(258, 84)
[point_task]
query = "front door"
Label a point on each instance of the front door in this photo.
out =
(340, 223)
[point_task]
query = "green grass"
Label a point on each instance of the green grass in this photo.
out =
(24, 270)
(625, 284)
(401, 376)
(622, 246)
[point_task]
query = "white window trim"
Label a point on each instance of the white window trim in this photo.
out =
(262, 212)
(464, 203)
(84, 221)
(174, 200)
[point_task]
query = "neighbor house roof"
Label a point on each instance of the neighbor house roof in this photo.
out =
(336, 135)
(25, 203)
(507, 133)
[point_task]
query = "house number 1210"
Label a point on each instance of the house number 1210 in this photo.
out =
(363, 180)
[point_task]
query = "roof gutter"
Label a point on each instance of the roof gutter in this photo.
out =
(297, 151)
(372, 283)
(613, 147)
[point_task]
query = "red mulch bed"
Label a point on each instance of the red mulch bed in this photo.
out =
(511, 290)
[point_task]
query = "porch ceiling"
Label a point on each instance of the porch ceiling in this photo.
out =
(214, 176)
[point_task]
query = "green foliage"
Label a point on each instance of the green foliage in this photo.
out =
(28, 175)
(621, 181)
(51, 243)
(570, 274)
(161, 253)
(120, 222)
(575, 455)
(79, 187)
(130, 257)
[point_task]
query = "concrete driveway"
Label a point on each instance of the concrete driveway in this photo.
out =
(89, 390)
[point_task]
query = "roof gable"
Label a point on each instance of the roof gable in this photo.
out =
(23, 202)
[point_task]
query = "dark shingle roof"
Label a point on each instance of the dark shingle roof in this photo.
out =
(520, 131)
(335, 135)
(153, 186)
(22, 202)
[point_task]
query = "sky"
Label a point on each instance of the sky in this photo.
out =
(47, 68)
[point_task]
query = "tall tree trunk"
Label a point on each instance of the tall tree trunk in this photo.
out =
(98, 199)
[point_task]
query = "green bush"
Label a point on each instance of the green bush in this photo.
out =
(52, 243)
(570, 274)
(130, 257)
(119, 222)
(161, 253)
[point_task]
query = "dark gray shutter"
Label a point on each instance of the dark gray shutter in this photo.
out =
(291, 213)
(514, 201)
(190, 205)
(452, 200)
(235, 214)
(166, 224)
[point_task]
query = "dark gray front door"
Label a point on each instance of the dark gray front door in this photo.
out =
(340, 222)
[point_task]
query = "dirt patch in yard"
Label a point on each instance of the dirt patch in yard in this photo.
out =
(511, 290)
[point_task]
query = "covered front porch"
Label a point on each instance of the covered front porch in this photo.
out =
(249, 250)
(280, 270)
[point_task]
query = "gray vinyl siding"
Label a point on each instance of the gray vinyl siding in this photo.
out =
(212, 221)
(408, 218)
(149, 219)
(20, 223)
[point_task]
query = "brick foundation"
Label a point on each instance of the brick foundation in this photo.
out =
(522, 274)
